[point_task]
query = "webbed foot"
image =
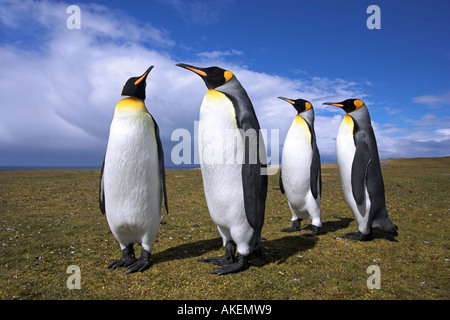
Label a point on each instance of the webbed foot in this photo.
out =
(314, 232)
(142, 264)
(238, 266)
(228, 258)
(295, 226)
(358, 236)
(126, 260)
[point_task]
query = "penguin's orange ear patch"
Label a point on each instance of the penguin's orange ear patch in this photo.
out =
(228, 75)
(307, 106)
(358, 103)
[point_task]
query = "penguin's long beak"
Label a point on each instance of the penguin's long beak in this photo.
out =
(337, 104)
(286, 99)
(197, 70)
(144, 76)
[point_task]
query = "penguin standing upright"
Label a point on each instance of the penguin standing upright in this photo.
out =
(360, 171)
(232, 160)
(300, 176)
(132, 181)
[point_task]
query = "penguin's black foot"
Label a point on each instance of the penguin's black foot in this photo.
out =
(142, 264)
(358, 236)
(218, 261)
(238, 266)
(295, 226)
(127, 259)
(393, 231)
(314, 232)
(228, 258)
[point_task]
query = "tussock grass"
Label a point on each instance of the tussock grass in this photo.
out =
(50, 220)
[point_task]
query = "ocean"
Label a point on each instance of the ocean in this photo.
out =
(36, 168)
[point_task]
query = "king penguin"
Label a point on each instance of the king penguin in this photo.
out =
(132, 181)
(360, 171)
(233, 171)
(300, 176)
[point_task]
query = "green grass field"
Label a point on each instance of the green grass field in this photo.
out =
(49, 220)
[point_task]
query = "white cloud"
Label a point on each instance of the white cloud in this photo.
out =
(415, 141)
(58, 101)
(211, 55)
(433, 101)
(443, 132)
(64, 95)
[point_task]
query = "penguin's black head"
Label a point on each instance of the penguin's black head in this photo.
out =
(300, 105)
(135, 86)
(348, 105)
(213, 76)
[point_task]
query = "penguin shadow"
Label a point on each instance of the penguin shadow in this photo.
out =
(380, 234)
(343, 223)
(279, 250)
(273, 251)
(332, 226)
(187, 250)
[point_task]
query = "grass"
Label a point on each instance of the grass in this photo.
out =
(50, 220)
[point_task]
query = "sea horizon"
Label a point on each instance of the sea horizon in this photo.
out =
(48, 167)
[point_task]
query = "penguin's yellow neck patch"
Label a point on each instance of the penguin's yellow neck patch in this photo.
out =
(300, 124)
(131, 104)
(299, 121)
(348, 121)
(214, 95)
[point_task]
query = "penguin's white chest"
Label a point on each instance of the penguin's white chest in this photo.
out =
(296, 162)
(219, 138)
(345, 152)
(221, 156)
(132, 181)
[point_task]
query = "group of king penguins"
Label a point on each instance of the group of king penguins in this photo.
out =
(133, 186)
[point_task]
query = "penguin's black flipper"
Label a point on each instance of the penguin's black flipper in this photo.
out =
(101, 193)
(280, 182)
(161, 164)
(359, 168)
(316, 177)
(253, 194)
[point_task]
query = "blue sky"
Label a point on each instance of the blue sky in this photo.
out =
(59, 86)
